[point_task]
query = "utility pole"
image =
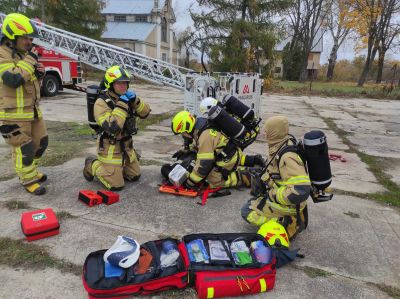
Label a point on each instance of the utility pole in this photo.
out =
(42, 11)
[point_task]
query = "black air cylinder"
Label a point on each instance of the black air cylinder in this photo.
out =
(226, 123)
(236, 107)
(317, 157)
(92, 92)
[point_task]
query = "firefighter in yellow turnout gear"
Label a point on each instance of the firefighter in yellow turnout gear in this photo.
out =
(288, 184)
(115, 112)
(21, 122)
(215, 164)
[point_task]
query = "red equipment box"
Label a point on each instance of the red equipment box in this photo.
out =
(108, 197)
(90, 198)
(39, 224)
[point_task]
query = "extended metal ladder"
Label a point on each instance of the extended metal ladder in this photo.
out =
(102, 55)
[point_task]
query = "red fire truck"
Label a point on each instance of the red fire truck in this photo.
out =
(61, 71)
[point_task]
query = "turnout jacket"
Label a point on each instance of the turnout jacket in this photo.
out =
(19, 86)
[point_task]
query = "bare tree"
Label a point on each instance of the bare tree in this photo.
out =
(336, 24)
(305, 20)
(387, 34)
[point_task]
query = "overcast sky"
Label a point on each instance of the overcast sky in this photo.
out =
(346, 51)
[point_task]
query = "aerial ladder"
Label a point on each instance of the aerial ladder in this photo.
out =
(100, 55)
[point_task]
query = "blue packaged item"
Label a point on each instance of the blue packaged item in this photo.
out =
(197, 251)
(112, 271)
(262, 253)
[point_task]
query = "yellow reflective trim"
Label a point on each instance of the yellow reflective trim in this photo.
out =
(203, 156)
(26, 66)
(9, 115)
(242, 160)
(194, 177)
(26, 169)
(111, 150)
(119, 112)
(282, 208)
(222, 142)
(279, 195)
(296, 180)
(103, 117)
(5, 66)
(213, 132)
(256, 219)
(210, 293)
(20, 100)
(263, 285)
(18, 158)
(141, 107)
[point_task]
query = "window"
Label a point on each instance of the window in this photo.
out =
(119, 18)
(278, 70)
(164, 56)
(141, 18)
(164, 30)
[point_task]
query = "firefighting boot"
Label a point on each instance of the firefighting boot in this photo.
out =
(87, 170)
(244, 178)
(35, 189)
(42, 177)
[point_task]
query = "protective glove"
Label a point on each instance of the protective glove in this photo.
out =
(130, 95)
(179, 154)
(124, 98)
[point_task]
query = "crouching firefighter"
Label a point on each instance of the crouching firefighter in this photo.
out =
(217, 161)
(21, 122)
(287, 184)
(114, 112)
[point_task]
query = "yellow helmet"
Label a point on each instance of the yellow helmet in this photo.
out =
(114, 74)
(16, 24)
(182, 122)
(274, 233)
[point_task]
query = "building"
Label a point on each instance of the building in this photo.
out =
(143, 26)
(313, 58)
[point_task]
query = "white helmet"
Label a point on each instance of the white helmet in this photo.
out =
(124, 253)
(206, 104)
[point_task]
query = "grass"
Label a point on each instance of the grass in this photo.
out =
(389, 290)
(64, 215)
(13, 205)
(66, 141)
(312, 272)
(375, 165)
(18, 254)
(336, 89)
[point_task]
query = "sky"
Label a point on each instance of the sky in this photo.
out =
(183, 20)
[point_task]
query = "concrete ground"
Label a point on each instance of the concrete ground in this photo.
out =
(351, 244)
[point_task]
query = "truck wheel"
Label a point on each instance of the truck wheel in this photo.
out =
(50, 86)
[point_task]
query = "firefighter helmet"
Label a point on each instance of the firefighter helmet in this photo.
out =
(274, 233)
(115, 74)
(182, 122)
(206, 104)
(16, 24)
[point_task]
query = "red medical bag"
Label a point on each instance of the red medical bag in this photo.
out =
(39, 224)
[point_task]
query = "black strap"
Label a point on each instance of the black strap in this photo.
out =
(12, 134)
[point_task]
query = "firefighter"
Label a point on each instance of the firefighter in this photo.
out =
(115, 111)
(217, 159)
(287, 184)
(21, 122)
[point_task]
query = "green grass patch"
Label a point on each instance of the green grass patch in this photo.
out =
(389, 290)
(66, 141)
(17, 253)
(313, 272)
(13, 205)
(62, 215)
(375, 165)
(336, 89)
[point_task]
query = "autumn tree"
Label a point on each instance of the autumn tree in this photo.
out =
(237, 35)
(336, 23)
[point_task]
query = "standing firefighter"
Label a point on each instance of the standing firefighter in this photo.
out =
(115, 112)
(217, 160)
(21, 122)
(287, 183)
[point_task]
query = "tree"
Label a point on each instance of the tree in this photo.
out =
(336, 24)
(81, 17)
(237, 35)
(304, 20)
(10, 6)
(389, 31)
(291, 61)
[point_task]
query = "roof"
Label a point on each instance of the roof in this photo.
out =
(126, 7)
(317, 47)
(130, 31)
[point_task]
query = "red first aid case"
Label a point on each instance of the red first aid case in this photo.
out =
(90, 198)
(39, 224)
(108, 197)
(214, 279)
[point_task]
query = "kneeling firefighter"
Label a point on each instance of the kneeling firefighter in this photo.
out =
(217, 161)
(287, 183)
(115, 111)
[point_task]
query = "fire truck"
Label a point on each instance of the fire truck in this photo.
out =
(61, 71)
